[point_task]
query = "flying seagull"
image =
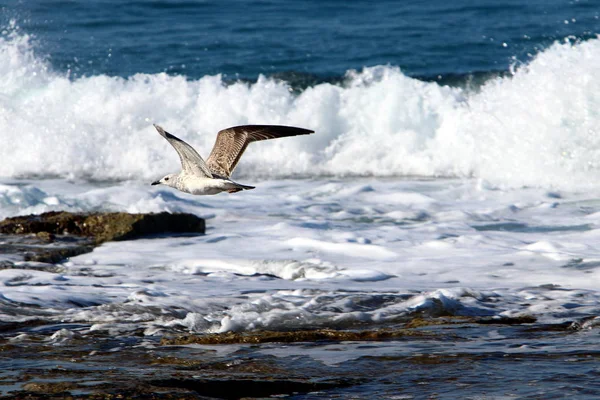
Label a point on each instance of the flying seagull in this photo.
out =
(212, 177)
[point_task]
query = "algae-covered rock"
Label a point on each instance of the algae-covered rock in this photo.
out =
(46, 236)
(54, 236)
(102, 226)
(293, 336)
(49, 387)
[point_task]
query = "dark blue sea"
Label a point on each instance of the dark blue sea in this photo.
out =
(318, 40)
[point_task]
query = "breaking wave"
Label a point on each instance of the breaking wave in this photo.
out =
(538, 126)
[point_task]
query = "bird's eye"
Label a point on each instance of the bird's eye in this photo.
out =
(166, 179)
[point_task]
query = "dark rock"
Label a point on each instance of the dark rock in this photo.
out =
(251, 388)
(46, 236)
(54, 236)
(103, 227)
(501, 320)
(293, 336)
(56, 255)
(49, 387)
(31, 248)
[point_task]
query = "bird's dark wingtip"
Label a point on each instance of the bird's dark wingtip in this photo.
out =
(164, 133)
(159, 129)
(299, 131)
(292, 130)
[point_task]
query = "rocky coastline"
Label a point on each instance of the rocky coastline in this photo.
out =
(48, 360)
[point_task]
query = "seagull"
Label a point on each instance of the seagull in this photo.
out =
(211, 177)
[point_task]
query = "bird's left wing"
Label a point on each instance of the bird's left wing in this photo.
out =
(232, 142)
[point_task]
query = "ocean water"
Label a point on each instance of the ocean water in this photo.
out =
(454, 170)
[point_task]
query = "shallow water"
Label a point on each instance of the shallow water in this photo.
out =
(444, 362)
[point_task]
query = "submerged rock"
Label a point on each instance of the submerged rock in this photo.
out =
(365, 363)
(53, 236)
(232, 388)
(32, 248)
(49, 387)
(293, 336)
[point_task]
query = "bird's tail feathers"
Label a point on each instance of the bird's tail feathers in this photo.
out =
(236, 187)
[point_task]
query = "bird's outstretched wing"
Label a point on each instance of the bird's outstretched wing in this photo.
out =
(191, 162)
(232, 142)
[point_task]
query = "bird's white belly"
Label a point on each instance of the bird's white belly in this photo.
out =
(202, 186)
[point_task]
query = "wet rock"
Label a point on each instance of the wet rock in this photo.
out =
(49, 387)
(292, 337)
(54, 256)
(46, 236)
(54, 236)
(501, 320)
(32, 249)
(104, 366)
(103, 226)
(252, 388)
(426, 322)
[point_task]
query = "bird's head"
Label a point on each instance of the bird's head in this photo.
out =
(168, 180)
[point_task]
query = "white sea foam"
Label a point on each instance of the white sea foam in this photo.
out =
(318, 253)
(538, 127)
(321, 252)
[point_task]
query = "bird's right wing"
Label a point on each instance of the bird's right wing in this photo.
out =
(191, 162)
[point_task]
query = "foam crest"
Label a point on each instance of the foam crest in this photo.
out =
(537, 127)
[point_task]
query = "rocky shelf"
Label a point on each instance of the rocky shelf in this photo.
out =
(53, 236)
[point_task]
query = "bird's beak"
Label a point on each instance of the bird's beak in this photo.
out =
(155, 183)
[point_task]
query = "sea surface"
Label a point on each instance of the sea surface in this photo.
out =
(454, 172)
